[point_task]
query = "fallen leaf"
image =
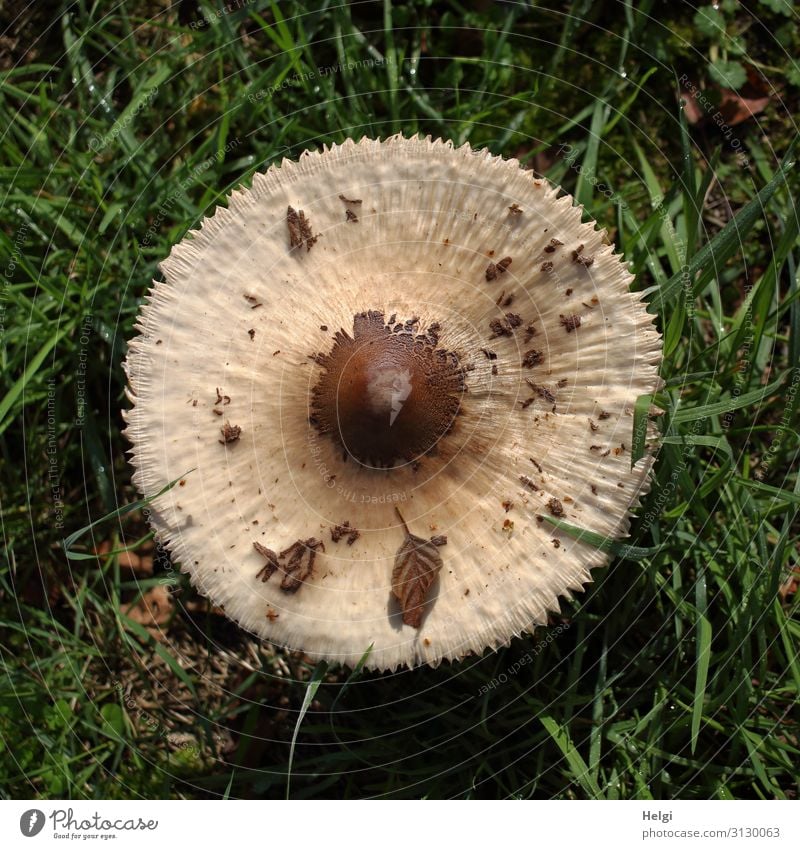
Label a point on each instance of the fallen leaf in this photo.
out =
(736, 108)
(153, 609)
(130, 560)
(789, 587)
(721, 105)
(416, 565)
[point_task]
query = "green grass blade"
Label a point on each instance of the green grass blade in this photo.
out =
(703, 650)
(576, 763)
(640, 422)
(353, 676)
(713, 254)
(611, 546)
(33, 366)
(311, 690)
(69, 541)
(719, 408)
(587, 176)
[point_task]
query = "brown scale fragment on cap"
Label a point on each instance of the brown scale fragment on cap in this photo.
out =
(507, 505)
(386, 396)
(499, 328)
(299, 229)
(547, 267)
(296, 562)
(350, 216)
(577, 256)
(230, 433)
(505, 326)
(489, 354)
(494, 269)
(253, 301)
(570, 322)
(350, 200)
(271, 566)
(554, 243)
(293, 223)
(555, 507)
(416, 565)
(532, 358)
(542, 391)
(515, 209)
(528, 483)
(344, 530)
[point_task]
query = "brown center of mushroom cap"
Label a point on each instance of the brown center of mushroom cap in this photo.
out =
(388, 393)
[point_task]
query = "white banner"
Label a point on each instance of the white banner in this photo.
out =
(400, 825)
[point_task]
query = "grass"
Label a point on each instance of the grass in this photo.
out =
(675, 675)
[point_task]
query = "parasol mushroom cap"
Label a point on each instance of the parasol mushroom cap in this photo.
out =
(381, 348)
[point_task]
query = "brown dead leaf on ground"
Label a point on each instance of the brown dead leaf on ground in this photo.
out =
(153, 610)
(788, 588)
(733, 107)
(140, 564)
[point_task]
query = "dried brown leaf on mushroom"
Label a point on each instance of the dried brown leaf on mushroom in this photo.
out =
(420, 389)
(416, 566)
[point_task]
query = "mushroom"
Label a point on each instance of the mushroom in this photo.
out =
(341, 398)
